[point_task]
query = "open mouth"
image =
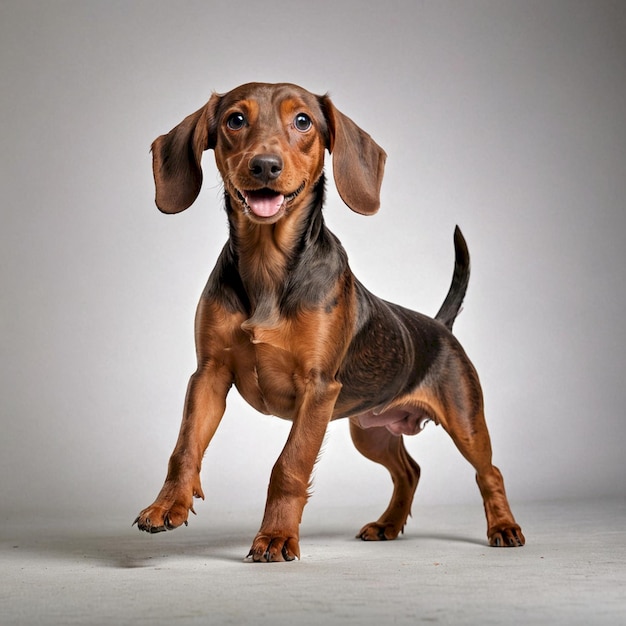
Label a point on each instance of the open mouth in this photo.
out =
(266, 202)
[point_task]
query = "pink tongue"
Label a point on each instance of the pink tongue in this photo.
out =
(264, 203)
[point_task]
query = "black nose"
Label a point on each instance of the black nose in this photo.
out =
(266, 167)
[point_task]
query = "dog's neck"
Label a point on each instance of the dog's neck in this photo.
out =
(265, 253)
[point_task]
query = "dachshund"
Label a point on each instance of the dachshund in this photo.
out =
(284, 319)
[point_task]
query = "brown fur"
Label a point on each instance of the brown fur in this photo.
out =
(284, 319)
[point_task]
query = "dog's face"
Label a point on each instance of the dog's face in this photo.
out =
(269, 142)
(269, 148)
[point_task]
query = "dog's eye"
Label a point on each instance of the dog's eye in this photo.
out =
(302, 122)
(236, 121)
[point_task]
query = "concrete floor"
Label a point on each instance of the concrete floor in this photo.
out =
(572, 571)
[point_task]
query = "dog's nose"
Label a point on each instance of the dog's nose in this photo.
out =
(266, 167)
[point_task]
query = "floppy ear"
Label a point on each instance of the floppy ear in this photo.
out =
(176, 158)
(358, 161)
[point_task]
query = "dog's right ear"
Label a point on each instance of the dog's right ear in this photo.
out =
(176, 158)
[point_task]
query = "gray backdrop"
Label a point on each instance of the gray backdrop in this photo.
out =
(508, 118)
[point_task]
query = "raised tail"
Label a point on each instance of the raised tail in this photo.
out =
(460, 279)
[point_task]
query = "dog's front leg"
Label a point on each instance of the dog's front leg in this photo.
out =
(204, 407)
(278, 537)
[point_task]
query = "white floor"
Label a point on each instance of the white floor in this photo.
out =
(572, 571)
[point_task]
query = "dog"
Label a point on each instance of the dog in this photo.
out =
(284, 319)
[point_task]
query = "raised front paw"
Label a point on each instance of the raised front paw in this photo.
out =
(506, 537)
(379, 531)
(171, 508)
(273, 548)
(158, 518)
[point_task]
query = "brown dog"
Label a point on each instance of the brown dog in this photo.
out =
(283, 318)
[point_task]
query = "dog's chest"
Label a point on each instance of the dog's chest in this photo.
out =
(268, 367)
(280, 355)
(266, 379)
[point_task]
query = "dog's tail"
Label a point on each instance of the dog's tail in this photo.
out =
(460, 279)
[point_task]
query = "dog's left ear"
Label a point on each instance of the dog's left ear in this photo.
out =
(176, 158)
(358, 161)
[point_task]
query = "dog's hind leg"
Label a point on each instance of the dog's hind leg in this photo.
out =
(472, 439)
(379, 445)
(463, 419)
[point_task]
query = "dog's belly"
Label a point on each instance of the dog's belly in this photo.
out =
(401, 420)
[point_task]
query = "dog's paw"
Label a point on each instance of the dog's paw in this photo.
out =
(171, 508)
(377, 531)
(157, 518)
(506, 537)
(270, 549)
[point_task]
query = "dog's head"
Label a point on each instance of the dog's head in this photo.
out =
(269, 142)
